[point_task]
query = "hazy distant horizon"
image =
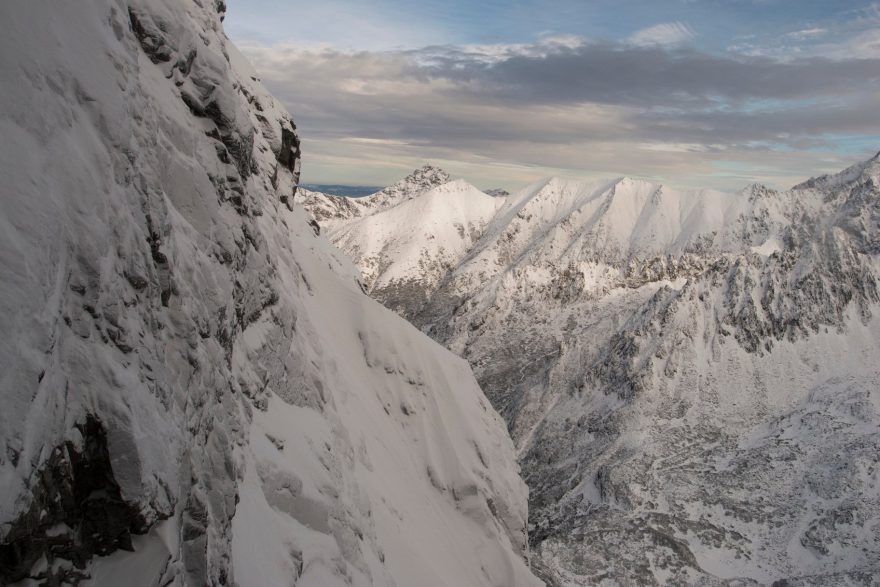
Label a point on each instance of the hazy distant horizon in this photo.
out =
(337, 189)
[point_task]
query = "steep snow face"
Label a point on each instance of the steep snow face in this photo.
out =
(410, 246)
(407, 237)
(689, 376)
(194, 389)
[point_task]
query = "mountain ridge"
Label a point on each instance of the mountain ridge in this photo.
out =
(657, 353)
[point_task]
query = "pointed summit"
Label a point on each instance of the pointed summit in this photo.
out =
(416, 183)
(330, 210)
(428, 172)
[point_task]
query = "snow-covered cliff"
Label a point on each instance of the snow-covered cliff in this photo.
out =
(194, 390)
(690, 376)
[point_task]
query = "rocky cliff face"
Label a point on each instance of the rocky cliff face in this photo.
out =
(194, 390)
(690, 377)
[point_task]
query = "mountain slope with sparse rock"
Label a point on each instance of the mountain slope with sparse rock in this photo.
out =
(332, 210)
(690, 377)
(194, 389)
(451, 218)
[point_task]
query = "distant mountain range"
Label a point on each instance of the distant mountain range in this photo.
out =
(690, 377)
(360, 191)
(350, 191)
(195, 389)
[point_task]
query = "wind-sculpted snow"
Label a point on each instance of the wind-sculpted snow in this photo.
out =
(690, 376)
(194, 389)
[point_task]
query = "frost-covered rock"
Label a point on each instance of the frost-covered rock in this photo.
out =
(690, 376)
(194, 390)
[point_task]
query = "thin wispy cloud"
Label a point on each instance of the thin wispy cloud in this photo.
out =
(667, 34)
(810, 33)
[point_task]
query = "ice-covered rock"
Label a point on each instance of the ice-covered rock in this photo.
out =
(416, 183)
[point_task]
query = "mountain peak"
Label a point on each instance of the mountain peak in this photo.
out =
(427, 173)
(416, 183)
(870, 168)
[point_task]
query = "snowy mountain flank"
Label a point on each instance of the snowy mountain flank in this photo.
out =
(194, 389)
(690, 377)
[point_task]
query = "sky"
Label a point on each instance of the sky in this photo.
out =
(693, 93)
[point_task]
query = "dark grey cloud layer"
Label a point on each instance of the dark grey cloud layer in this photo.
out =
(645, 76)
(605, 108)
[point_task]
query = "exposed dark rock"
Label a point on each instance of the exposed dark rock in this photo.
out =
(288, 155)
(136, 281)
(150, 35)
(315, 226)
(76, 512)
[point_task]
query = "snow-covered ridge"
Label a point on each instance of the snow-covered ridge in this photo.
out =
(417, 182)
(406, 237)
(684, 372)
(427, 234)
(194, 389)
(329, 210)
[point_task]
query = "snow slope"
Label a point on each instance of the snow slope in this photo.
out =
(406, 237)
(329, 210)
(422, 236)
(194, 389)
(690, 377)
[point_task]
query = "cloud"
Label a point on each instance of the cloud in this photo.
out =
(843, 35)
(504, 113)
(664, 34)
(810, 33)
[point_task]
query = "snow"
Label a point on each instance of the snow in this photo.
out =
(686, 374)
(768, 247)
(400, 411)
(267, 422)
(440, 225)
(141, 568)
